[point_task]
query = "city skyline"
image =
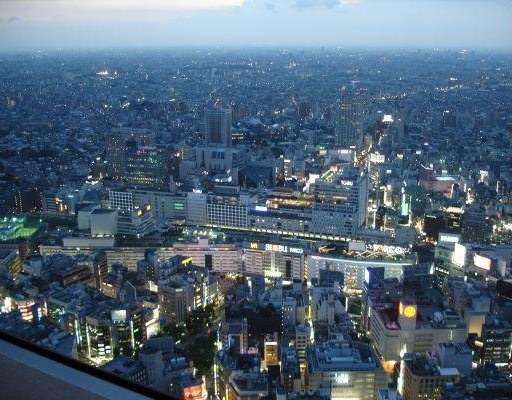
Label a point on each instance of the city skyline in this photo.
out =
(255, 199)
(55, 24)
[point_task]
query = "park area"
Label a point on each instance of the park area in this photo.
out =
(12, 228)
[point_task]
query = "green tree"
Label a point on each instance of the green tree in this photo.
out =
(202, 352)
(419, 200)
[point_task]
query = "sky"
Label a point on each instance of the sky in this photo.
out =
(27, 25)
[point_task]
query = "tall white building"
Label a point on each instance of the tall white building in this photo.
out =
(349, 127)
(341, 202)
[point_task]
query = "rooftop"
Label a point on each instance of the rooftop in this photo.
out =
(342, 355)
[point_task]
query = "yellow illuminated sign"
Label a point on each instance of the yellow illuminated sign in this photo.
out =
(254, 245)
(186, 261)
(408, 311)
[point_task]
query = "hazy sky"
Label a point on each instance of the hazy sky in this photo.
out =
(50, 24)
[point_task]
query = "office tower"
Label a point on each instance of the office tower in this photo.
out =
(288, 313)
(116, 142)
(453, 218)
(399, 132)
(97, 263)
(495, 344)
(146, 167)
(121, 200)
(99, 335)
(331, 278)
(175, 301)
(349, 127)
(127, 329)
(433, 224)
(217, 127)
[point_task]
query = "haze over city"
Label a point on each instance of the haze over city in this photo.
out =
(74, 24)
(256, 200)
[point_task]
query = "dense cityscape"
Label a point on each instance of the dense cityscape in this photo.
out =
(275, 223)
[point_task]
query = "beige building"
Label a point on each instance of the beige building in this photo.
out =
(275, 260)
(220, 258)
(402, 329)
(421, 377)
(175, 300)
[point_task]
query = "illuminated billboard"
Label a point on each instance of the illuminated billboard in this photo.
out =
(383, 248)
(407, 310)
(197, 392)
(459, 255)
(118, 315)
(449, 238)
(276, 247)
(483, 262)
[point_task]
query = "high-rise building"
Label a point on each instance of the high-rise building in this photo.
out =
(182, 292)
(349, 129)
(121, 200)
(146, 167)
(217, 126)
(175, 300)
(341, 202)
(127, 329)
(116, 147)
(99, 335)
(495, 344)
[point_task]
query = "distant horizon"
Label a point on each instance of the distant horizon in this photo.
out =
(254, 48)
(31, 25)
